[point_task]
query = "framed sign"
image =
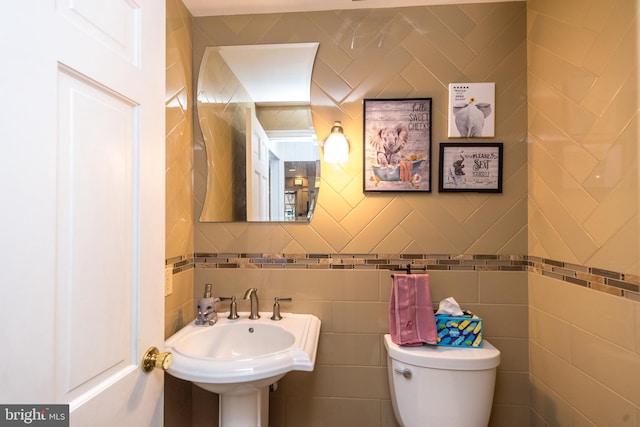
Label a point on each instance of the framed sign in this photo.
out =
(471, 110)
(397, 145)
(473, 167)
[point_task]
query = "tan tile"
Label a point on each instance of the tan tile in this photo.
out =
(569, 78)
(511, 37)
(570, 117)
(509, 416)
(549, 407)
(387, 417)
(428, 237)
(321, 412)
(332, 285)
(316, 383)
(349, 349)
(514, 353)
(608, 84)
(412, 62)
(575, 199)
(456, 19)
(618, 19)
(617, 208)
(591, 398)
(396, 241)
(512, 388)
(607, 363)
(179, 318)
(604, 315)
(550, 332)
(556, 213)
(573, 157)
(613, 119)
(182, 290)
(503, 287)
(361, 317)
(620, 253)
(383, 224)
(360, 382)
(567, 41)
(548, 240)
(486, 32)
(502, 230)
(579, 420)
(461, 285)
(504, 321)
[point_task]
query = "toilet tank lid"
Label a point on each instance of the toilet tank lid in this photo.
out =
(437, 357)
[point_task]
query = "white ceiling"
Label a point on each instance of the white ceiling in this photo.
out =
(237, 7)
(284, 70)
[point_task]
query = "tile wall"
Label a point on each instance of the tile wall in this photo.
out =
(409, 52)
(392, 53)
(349, 384)
(179, 133)
(583, 210)
(581, 200)
(583, 132)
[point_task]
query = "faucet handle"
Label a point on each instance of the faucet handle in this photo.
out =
(276, 307)
(233, 307)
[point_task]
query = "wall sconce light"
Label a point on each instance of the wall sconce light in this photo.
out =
(336, 147)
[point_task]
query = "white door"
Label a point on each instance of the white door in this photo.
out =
(82, 218)
(257, 169)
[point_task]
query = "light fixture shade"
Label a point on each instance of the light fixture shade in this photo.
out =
(336, 147)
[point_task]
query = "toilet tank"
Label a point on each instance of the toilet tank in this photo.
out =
(442, 386)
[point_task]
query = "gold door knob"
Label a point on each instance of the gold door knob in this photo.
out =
(154, 359)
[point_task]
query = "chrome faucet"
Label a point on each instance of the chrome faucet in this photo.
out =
(252, 293)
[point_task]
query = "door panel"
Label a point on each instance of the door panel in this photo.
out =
(96, 146)
(114, 25)
(257, 169)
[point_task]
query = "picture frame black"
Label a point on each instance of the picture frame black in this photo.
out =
(397, 145)
(470, 167)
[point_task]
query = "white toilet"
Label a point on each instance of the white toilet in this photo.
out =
(441, 386)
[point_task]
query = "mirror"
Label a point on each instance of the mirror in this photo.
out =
(263, 159)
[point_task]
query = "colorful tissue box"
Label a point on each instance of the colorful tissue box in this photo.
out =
(459, 331)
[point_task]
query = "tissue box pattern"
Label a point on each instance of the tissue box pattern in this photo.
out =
(459, 331)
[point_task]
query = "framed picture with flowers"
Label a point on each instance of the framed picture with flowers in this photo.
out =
(397, 145)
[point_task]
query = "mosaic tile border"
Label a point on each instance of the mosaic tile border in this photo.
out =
(610, 282)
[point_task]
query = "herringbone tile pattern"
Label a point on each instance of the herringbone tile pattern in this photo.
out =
(179, 132)
(583, 130)
(392, 53)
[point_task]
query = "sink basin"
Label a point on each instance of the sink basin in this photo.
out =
(235, 341)
(236, 356)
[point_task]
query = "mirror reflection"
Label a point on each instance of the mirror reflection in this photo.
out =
(253, 106)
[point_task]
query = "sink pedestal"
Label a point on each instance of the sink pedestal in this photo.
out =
(246, 409)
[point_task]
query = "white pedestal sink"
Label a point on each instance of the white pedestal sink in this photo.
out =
(239, 359)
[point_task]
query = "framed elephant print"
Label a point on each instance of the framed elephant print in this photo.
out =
(397, 145)
(471, 110)
(473, 167)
